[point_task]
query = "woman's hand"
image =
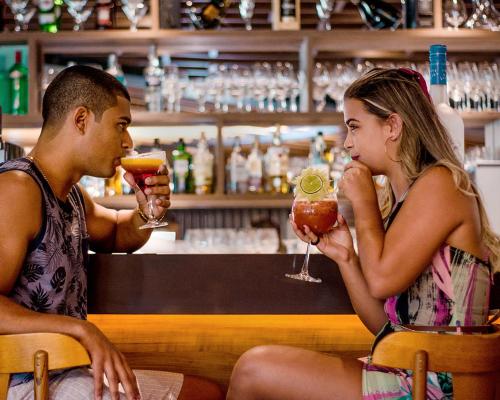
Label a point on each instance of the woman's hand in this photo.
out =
(357, 184)
(157, 185)
(336, 244)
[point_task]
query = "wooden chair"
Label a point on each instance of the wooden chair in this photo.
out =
(38, 353)
(473, 359)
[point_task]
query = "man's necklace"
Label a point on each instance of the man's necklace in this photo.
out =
(36, 163)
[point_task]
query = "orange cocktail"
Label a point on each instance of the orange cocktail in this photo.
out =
(320, 216)
(141, 168)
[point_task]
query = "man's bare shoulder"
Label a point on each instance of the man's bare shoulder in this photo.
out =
(18, 189)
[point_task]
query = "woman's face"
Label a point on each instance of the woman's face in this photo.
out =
(365, 136)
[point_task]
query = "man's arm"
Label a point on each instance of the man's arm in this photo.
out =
(20, 222)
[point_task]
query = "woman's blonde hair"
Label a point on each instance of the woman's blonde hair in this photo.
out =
(424, 140)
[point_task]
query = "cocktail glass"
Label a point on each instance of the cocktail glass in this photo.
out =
(315, 206)
(143, 166)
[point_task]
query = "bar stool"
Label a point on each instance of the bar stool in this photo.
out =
(38, 353)
(473, 360)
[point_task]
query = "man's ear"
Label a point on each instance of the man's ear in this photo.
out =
(81, 119)
(395, 127)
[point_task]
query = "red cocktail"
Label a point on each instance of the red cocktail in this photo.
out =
(320, 216)
(141, 168)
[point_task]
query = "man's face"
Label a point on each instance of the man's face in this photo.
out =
(110, 139)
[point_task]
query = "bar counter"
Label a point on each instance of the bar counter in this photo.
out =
(218, 284)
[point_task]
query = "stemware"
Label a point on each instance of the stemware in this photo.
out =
(134, 10)
(455, 13)
(246, 11)
(76, 10)
(22, 14)
(320, 216)
(324, 10)
(143, 166)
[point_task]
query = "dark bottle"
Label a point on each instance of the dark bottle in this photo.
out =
(210, 15)
(105, 14)
(18, 77)
(182, 169)
(2, 19)
(410, 10)
(378, 14)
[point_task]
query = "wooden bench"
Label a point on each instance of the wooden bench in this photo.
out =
(209, 345)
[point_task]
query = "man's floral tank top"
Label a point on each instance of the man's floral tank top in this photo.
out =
(53, 277)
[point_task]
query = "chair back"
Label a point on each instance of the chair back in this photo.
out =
(473, 360)
(38, 353)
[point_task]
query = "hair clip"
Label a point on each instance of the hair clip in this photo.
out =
(420, 80)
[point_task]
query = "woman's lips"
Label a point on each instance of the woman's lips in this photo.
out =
(355, 158)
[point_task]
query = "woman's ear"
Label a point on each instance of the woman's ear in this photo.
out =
(395, 127)
(81, 119)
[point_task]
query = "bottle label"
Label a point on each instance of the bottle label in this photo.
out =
(181, 167)
(104, 16)
(45, 19)
(45, 5)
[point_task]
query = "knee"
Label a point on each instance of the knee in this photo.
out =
(249, 372)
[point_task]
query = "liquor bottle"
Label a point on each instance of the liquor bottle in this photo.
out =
(255, 168)
(113, 185)
(238, 175)
(153, 74)
(448, 116)
(49, 15)
(182, 169)
(378, 14)
(203, 167)
(286, 14)
(2, 147)
(2, 19)
(210, 15)
(4, 86)
(410, 14)
(18, 78)
(276, 166)
(105, 14)
(317, 154)
(115, 69)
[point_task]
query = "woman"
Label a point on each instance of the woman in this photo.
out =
(424, 259)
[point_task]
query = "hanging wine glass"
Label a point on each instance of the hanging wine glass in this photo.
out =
(134, 10)
(482, 16)
(22, 14)
(76, 10)
(324, 10)
(455, 13)
(246, 11)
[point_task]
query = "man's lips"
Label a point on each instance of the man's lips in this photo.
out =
(354, 157)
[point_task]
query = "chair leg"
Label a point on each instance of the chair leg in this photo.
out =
(420, 376)
(4, 386)
(41, 375)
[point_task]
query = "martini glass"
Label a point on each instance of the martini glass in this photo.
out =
(143, 166)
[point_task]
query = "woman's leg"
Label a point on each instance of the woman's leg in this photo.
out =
(194, 388)
(281, 372)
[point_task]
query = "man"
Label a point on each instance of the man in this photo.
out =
(47, 223)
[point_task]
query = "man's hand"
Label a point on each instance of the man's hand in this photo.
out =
(158, 186)
(106, 360)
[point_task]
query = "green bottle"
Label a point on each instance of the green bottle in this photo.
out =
(49, 15)
(18, 77)
(182, 169)
(4, 86)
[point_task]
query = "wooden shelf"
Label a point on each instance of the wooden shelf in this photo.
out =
(338, 40)
(472, 120)
(193, 201)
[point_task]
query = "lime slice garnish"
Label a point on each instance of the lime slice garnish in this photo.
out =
(311, 184)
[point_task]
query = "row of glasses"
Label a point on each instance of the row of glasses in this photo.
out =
(484, 15)
(471, 86)
(261, 87)
(134, 10)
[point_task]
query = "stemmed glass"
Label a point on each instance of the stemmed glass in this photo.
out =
(143, 166)
(134, 10)
(482, 16)
(324, 10)
(22, 15)
(455, 13)
(76, 10)
(246, 11)
(320, 216)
